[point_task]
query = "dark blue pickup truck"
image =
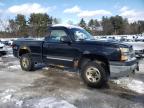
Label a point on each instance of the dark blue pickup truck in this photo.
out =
(72, 46)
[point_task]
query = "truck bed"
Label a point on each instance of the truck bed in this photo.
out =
(34, 45)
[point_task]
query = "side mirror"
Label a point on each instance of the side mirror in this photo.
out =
(46, 38)
(64, 39)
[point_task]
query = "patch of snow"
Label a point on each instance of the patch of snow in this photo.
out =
(137, 86)
(9, 55)
(67, 26)
(7, 95)
(14, 67)
(53, 103)
(46, 68)
(132, 84)
(10, 98)
(18, 102)
(6, 98)
(8, 91)
(8, 39)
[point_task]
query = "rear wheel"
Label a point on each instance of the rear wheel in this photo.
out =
(94, 75)
(26, 62)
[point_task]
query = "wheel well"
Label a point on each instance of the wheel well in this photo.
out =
(23, 51)
(98, 58)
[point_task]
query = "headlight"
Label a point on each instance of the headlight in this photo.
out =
(124, 54)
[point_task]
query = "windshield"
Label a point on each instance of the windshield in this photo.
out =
(81, 34)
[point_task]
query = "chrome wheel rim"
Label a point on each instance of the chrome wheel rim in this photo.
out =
(93, 74)
(25, 62)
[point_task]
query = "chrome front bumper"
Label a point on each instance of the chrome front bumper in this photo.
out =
(120, 69)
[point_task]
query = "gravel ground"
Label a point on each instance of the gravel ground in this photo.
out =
(51, 87)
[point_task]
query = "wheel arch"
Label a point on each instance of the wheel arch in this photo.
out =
(94, 57)
(23, 50)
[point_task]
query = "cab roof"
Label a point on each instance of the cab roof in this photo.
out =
(66, 26)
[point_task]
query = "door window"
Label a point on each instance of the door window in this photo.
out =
(55, 35)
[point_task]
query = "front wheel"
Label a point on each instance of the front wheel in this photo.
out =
(94, 75)
(26, 62)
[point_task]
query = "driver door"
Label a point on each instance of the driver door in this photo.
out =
(57, 52)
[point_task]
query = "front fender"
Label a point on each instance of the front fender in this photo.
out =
(87, 55)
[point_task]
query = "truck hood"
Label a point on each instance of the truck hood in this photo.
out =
(109, 43)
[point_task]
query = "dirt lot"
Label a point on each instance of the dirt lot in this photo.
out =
(51, 87)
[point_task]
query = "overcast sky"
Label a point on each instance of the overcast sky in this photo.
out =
(74, 9)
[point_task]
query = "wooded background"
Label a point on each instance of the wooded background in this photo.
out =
(36, 25)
